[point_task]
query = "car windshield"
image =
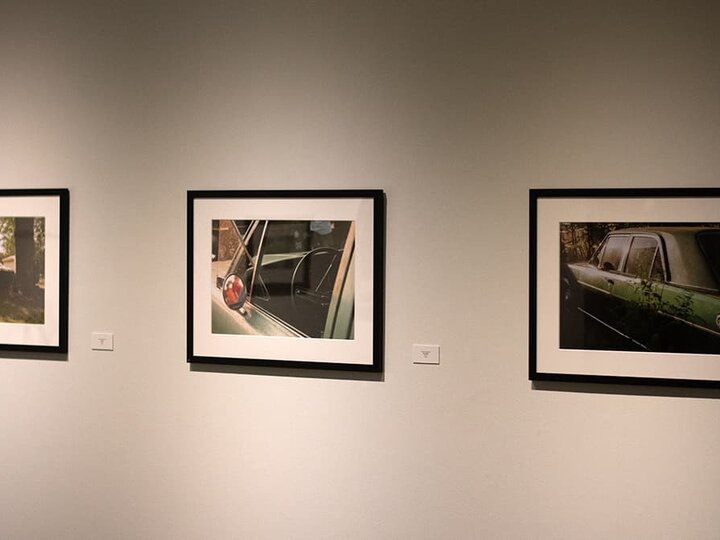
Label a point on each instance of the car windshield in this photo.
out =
(710, 245)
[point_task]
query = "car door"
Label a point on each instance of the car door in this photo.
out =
(608, 263)
(638, 290)
(641, 277)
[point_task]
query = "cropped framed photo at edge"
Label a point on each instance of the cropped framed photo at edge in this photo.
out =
(625, 286)
(34, 227)
(287, 278)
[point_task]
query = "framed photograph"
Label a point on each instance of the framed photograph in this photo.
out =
(625, 286)
(34, 270)
(287, 278)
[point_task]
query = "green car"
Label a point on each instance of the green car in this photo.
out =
(646, 289)
(283, 278)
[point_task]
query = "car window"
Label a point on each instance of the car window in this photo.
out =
(710, 245)
(289, 237)
(612, 254)
(657, 271)
(641, 257)
(249, 246)
(298, 267)
(225, 239)
(286, 242)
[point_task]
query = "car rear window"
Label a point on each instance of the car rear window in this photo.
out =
(710, 245)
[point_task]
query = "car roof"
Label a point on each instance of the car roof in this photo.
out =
(687, 264)
(668, 229)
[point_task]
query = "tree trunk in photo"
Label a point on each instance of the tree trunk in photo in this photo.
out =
(24, 255)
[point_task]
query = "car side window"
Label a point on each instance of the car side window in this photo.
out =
(710, 245)
(612, 255)
(657, 267)
(643, 260)
(251, 233)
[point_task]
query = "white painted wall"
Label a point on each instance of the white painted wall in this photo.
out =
(455, 109)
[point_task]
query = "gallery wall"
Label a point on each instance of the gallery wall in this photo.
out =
(455, 109)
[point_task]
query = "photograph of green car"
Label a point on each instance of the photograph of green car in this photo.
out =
(640, 287)
(283, 278)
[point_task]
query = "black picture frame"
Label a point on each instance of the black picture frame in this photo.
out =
(34, 281)
(638, 305)
(286, 278)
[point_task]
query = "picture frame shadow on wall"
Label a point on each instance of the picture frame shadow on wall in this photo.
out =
(286, 278)
(625, 286)
(34, 247)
